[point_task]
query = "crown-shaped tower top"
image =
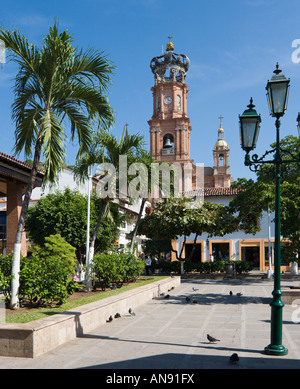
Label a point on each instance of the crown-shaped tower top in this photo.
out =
(170, 66)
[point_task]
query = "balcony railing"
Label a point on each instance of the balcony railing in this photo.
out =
(168, 151)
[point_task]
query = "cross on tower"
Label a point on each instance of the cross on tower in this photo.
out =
(170, 37)
(221, 117)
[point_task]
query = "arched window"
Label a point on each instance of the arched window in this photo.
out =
(158, 104)
(168, 141)
(178, 102)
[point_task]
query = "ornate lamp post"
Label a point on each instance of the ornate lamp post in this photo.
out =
(277, 94)
(249, 130)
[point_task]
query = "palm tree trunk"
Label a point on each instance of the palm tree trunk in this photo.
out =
(92, 246)
(137, 224)
(15, 269)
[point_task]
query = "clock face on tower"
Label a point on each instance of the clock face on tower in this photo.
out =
(168, 100)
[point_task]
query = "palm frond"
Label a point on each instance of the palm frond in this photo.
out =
(91, 66)
(53, 140)
(26, 131)
(26, 55)
(54, 85)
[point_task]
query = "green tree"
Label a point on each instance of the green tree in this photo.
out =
(176, 217)
(57, 249)
(64, 213)
(157, 247)
(248, 206)
(107, 149)
(290, 218)
(55, 84)
(255, 197)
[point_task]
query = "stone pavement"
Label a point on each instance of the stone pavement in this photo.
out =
(171, 334)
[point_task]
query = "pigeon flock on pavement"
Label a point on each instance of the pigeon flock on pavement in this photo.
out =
(234, 358)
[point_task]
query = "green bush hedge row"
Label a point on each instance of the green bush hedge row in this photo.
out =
(202, 267)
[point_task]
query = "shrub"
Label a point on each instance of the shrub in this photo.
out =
(5, 275)
(162, 265)
(190, 266)
(116, 268)
(133, 266)
(175, 266)
(243, 266)
(42, 280)
(45, 281)
(57, 249)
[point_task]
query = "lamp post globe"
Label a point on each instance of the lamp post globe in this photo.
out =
(278, 93)
(249, 129)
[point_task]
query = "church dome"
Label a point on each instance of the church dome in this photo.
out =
(221, 142)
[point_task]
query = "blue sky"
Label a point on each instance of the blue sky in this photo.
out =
(233, 47)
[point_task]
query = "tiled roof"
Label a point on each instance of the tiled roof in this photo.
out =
(220, 192)
(17, 162)
(208, 192)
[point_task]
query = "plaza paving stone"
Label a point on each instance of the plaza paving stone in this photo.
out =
(171, 334)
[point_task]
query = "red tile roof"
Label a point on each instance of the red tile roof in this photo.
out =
(209, 192)
(17, 162)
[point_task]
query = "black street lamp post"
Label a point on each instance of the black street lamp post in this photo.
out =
(277, 94)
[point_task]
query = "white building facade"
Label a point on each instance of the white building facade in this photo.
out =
(237, 246)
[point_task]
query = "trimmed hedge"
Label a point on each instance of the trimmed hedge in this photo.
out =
(116, 268)
(202, 267)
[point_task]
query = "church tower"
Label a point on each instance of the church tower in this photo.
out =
(170, 126)
(222, 177)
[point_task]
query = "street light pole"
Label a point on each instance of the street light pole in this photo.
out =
(277, 94)
(276, 347)
(87, 255)
(270, 270)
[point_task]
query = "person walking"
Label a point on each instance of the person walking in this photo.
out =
(148, 265)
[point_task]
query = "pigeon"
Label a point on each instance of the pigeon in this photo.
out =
(109, 319)
(162, 294)
(234, 358)
(195, 302)
(239, 294)
(212, 339)
(230, 293)
(194, 289)
(167, 296)
(131, 312)
(117, 315)
(187, 299)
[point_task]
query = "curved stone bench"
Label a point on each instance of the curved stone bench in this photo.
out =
(43, 335)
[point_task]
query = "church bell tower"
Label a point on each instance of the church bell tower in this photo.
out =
(222, 177)
(170, 126)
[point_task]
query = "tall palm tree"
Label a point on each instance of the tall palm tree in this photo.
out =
(147, 160)
(107, 149)
(55, 85)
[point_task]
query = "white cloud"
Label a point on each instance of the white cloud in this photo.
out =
(34, 21)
